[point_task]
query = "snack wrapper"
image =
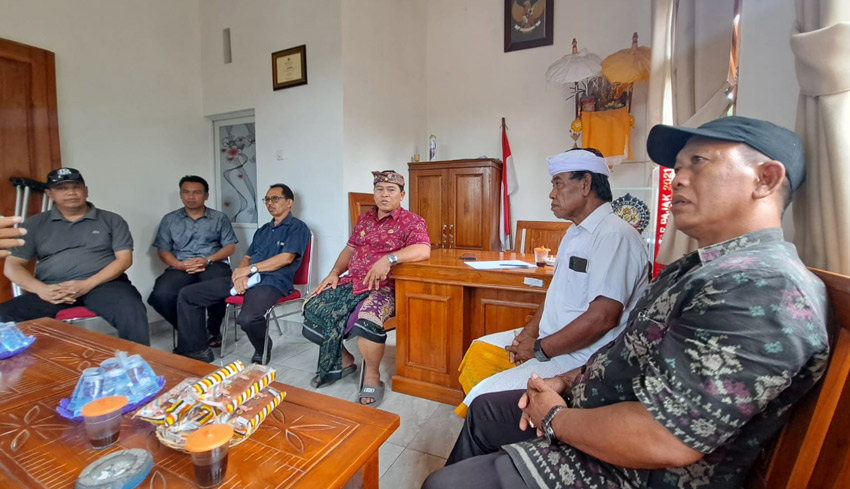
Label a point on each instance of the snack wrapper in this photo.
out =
(251, 414)
(237, 389)
(172, 403)
(195, 417)
(205, 384)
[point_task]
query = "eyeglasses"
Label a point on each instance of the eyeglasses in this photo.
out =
(275, 199)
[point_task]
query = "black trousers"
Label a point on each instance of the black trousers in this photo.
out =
(476, 460)
(194, 299)
(492, 421)
(116, 301)
(163, 297)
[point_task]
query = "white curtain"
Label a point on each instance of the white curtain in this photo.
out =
(821, 46)
(689, 83)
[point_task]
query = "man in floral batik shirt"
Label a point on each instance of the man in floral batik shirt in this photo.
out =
(385, 235)
(721, 345)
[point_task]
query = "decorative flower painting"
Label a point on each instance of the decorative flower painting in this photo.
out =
(237, 156)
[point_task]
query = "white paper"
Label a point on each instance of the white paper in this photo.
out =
(501, 264)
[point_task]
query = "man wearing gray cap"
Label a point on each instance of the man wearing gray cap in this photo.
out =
(721, 345)
(81, 255)
(600, 272)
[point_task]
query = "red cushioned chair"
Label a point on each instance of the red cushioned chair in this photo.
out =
(285, 306)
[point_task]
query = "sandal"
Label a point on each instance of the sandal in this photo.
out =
(214, 341)
(375, 392)
(333, 376)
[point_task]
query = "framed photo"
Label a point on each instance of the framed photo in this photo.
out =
(528, 24)
(289, 67)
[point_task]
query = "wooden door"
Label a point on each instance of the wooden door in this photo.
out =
(29, 129)
(468, 212)
(497, 310)
(429, 340)
(428, 190)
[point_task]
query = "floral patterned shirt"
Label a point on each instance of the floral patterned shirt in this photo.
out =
(718, 349)
(372, 239)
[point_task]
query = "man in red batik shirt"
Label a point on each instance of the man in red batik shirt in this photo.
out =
(360, 302)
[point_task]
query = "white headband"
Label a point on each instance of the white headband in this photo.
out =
(577, 161)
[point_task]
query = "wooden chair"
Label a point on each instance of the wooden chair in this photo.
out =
(359, 203)
(813, 449)
(531, 234)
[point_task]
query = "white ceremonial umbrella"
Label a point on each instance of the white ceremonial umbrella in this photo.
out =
(573, 68)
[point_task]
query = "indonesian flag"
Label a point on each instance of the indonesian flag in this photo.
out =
(509, 186)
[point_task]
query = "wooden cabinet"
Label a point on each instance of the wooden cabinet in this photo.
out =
(459, 201)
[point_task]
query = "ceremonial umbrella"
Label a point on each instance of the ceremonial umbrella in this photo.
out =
(573, 68)
(627, 65)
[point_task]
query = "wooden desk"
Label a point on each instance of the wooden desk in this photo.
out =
(442, 305)
(310, 440)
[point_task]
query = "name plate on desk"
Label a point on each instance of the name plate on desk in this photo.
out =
(532, 282)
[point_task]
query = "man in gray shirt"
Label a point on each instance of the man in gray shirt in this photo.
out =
(195, 242)
(81, 255)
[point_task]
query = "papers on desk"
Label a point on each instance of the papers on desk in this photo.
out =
(500, 264)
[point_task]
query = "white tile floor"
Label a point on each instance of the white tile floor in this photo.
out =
(418, 447)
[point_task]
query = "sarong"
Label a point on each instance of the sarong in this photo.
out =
(328, 314)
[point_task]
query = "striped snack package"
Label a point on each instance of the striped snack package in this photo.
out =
(249, 383)
(202, 386)
(176, 400)
(250, 415)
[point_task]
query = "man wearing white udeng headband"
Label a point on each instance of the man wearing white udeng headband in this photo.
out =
(600, 272)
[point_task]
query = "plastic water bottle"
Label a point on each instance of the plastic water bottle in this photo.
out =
(252, 281)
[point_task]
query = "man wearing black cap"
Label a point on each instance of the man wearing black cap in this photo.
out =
(722, 344)
(81, 255)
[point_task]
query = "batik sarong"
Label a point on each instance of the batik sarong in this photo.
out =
(328, 315)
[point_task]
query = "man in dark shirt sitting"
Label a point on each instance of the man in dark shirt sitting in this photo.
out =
(722, 344)
(195, 242)
(81, 255)
(275, 254)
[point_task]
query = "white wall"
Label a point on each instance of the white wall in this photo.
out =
(129, 102)
(304, 122)
(472, 83)
(383, 61)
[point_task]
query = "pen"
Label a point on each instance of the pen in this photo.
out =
(515, 265)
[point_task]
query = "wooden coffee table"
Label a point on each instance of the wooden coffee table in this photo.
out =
(310, 440)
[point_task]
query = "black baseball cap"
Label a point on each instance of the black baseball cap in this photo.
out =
(777, 143)
(61, 175)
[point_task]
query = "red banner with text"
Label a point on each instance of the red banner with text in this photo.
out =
(665, 198)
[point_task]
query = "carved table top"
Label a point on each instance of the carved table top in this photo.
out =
(310, 440)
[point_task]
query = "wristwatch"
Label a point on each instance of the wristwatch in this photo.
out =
(392, 259)
(539, 354)
(546, 424)
(209, 262)
(254, 269)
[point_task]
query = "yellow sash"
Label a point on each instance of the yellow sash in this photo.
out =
(480, 361)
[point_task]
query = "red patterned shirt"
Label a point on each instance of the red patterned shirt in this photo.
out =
(372, 239)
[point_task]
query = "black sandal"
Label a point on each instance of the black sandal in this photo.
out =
(334, 376)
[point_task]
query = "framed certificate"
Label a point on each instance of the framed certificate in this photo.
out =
(289, 67)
